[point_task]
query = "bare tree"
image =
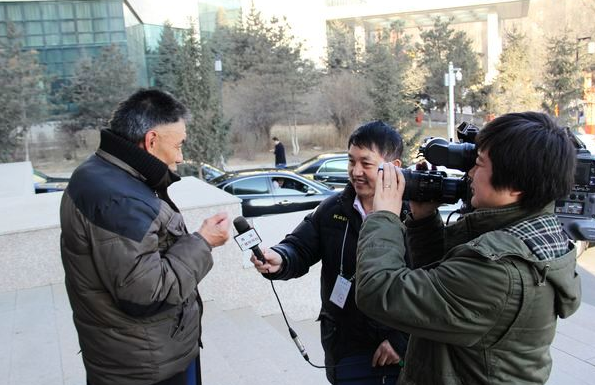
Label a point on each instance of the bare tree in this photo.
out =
(345, 101)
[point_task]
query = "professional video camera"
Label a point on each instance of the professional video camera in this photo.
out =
(576, 211)
(434, 185)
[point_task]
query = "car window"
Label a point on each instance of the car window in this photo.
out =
(288, 186)
(336, 165)
(249, 186)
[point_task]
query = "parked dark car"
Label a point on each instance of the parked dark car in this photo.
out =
(330, 168)
(44, 183)
(272, 191)
(203, 170)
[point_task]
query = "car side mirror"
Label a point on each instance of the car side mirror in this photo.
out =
(310, 192)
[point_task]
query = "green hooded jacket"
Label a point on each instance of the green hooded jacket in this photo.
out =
(482, 303)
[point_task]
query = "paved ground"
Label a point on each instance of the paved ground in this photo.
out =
(39, 344)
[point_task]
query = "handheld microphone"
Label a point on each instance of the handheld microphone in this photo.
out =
(247, 237)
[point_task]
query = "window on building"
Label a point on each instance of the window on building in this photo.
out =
(53, 56)
(65, 10)
(83, 11)
(52, 39)
(118, 37)
(102, 38)
(100, 25)
(51, 27)
(49, 11)
(34, 41)
(116, 24)
(99, 9)
(70, 55)
(33, 28)
(86, 38)
(67, 27)
(32, 11)
(69, 38)
(84, 26)
(13, 12)
(114, 9)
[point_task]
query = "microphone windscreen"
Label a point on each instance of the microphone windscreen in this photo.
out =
(241, 224)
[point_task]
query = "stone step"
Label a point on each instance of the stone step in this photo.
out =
(240, 347)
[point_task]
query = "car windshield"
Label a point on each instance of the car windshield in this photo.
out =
(304, 165)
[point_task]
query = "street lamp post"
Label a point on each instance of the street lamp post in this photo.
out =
(219, 71)
(450, 79)
(586, 95)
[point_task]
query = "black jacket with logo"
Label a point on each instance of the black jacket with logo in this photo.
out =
(331, 230)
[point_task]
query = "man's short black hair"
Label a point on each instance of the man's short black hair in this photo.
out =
(380, 137)
(275, 138)
(144, 110)
(529, 153)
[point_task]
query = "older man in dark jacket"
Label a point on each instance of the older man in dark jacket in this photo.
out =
(132, 268)
(482, 307)
(330, 235)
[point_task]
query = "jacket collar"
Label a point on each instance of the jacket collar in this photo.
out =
(152, 171)
(482, 221)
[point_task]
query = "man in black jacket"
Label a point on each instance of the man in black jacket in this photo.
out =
(330, 234)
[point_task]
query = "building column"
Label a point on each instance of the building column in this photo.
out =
(359, 34)
(494, 46)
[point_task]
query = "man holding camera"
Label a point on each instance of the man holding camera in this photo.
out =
(482, 305)
(361, 349)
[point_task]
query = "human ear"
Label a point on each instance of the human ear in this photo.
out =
(149, 141)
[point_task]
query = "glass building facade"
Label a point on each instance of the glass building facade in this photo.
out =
(65, 31)
(214, 12)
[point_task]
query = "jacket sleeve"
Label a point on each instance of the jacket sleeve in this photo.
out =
(300, 249)
(456, 302)
(425, 250)
(142, 278)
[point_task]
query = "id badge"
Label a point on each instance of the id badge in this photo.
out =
(340, 291)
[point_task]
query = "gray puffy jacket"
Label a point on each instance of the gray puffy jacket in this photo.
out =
(131, 267)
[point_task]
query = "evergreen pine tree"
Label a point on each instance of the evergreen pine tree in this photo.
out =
(514, 88)
(22, 93)
(440, 45)
(390, 72)
(342, 49)
(263, 67)
(196, 88)
(97, 87)
(166, 67)
(561, 81)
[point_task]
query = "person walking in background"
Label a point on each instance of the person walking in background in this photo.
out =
(131, 267)
(279, 151)
(364, 351)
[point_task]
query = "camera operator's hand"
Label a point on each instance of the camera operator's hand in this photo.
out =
(390, 186)
(420, 210)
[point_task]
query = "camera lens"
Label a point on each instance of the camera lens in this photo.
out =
(425, 186)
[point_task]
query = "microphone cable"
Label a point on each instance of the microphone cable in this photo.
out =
(294, 335)
(300, 345)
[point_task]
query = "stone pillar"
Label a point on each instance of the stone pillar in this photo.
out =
(359, 34)
(494, 46)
